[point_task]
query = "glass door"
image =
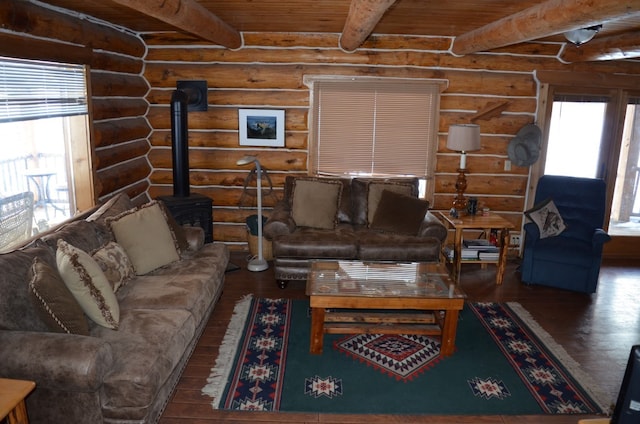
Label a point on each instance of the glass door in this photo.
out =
(625, 208)
(581, 143)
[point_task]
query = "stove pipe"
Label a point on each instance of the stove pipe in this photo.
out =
(180, 143)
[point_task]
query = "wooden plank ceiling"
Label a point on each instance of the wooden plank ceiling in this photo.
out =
(477, 25)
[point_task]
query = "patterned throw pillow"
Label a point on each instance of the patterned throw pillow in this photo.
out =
(54, 302)
(547, 217)
(88, 284)
(115, 264)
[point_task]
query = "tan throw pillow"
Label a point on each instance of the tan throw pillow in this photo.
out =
(315, 203)
(54, 302)
(547, 217)
(176, 229)
(398, 213)
(145, 236)
(88, 284)
(375, 194)
(115, 264)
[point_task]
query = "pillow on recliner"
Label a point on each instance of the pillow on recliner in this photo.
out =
(547, 218)
(399, 213)
(315, 202)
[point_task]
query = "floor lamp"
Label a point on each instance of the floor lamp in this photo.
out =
(256, 264)
(463, 138)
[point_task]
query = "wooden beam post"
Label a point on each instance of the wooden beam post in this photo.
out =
(189, 16)
(547, 18)
(363, 17)
(615, 47)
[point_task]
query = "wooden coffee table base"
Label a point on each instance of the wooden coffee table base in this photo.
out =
(440, 318)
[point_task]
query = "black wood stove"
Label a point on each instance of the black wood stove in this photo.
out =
(193, 209)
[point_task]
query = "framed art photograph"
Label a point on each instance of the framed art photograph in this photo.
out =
(261, 127)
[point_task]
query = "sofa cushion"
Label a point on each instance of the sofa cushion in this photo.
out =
(55, 303)
(147, 348)
(315, 202)
(114, 262)
(84, 235)
(146, 237)
(17, 311)
(114, 206)
(305, 242)
(187, 284)
(378, 246)
(398, 213)
(176, 229)
(88, 284)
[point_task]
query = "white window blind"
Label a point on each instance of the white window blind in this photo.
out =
(375, 127)
(33, 90)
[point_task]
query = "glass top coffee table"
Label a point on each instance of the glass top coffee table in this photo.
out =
(351, 297)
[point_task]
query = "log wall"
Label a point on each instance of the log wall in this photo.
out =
(133, 75)
(117, 87)
(268, 72)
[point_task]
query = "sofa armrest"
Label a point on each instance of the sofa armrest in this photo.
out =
(280, 221)
(194, 236)
(432, 227)
(56, 361)
(600, 237)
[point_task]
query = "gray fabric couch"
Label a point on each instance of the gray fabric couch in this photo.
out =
(354, 235)
(108, 376)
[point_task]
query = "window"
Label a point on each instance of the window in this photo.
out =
(45, 144)
(375, 127)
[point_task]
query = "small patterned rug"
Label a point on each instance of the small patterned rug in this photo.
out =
(504, 363)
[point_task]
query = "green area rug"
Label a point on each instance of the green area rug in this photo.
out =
(504, 363)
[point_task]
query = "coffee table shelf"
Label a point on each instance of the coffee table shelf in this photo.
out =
(414, 298)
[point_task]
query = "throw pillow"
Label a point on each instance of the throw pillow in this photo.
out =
(399, 213)
(176, 229)
(88, 284)
(315, 202)
(547, 218)
(54, 302)
(375, 194)
(115, 264)
(145, 236)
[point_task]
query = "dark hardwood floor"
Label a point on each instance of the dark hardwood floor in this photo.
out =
(596, 330)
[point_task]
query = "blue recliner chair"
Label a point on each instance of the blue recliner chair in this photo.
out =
(571, 259)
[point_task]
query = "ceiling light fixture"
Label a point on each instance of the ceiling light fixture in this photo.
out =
(582, 35)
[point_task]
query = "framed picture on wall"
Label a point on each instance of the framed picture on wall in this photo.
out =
(261, 127)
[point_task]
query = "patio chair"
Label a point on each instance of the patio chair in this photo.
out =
(16, 220)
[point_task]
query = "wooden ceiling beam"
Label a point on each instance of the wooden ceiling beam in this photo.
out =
(363, 16)
(189, 16)
(545, 19)
(615, 47)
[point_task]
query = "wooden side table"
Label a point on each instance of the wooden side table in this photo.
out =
(12, 395)
(478, 222)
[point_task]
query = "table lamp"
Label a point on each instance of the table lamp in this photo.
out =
(259, 263)
(463, 138)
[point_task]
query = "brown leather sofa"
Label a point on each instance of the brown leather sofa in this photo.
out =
(376, 220)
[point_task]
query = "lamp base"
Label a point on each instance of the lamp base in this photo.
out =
(460, 202)
(257, 264)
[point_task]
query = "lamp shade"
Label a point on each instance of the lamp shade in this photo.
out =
(464, 137)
